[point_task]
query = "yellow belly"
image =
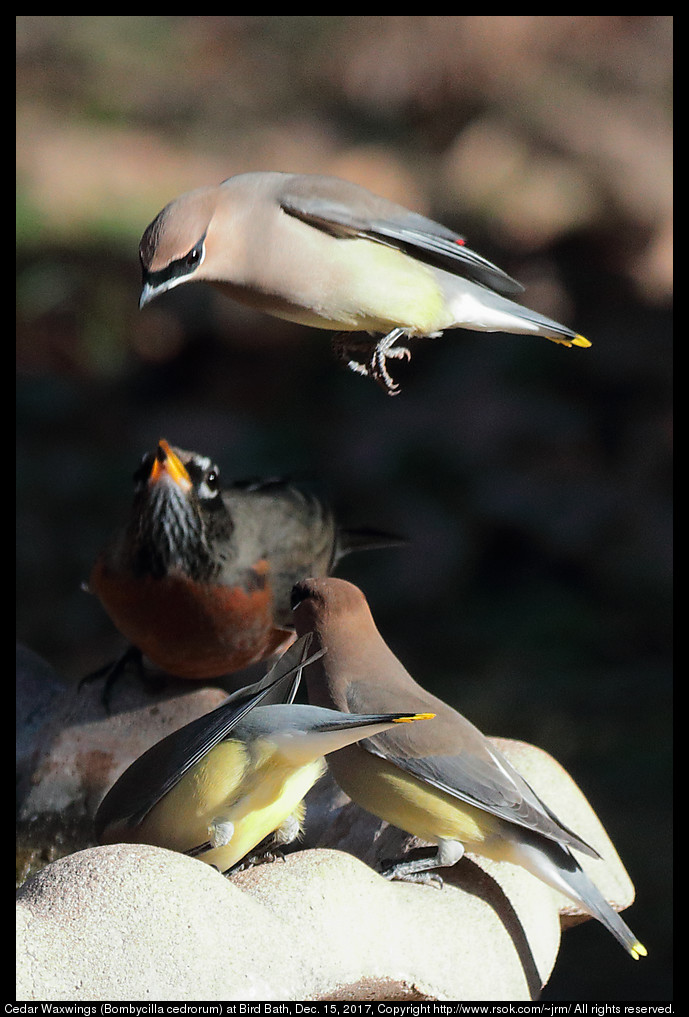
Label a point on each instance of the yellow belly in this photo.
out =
(427, 812)
(355, 286)
(256, 796)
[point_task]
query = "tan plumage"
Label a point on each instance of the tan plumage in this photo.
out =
(443, 782)
(327, 253)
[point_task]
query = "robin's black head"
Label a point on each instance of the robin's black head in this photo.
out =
(178, 515)
(205, 477)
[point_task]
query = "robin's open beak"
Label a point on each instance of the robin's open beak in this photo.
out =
(167, 463)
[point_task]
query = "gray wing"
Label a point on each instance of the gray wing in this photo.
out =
(477, 773)
(346, 210)
(160, 768)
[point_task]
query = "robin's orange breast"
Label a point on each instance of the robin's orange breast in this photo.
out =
(191, 629)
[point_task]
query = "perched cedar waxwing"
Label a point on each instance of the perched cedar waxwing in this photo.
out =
(325, 252)
(234, 778)
(443, 782)
(200, 579)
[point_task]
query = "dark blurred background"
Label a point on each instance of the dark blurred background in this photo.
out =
(533, 481)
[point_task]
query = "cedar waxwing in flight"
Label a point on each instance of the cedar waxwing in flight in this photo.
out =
(328, 253)
(443, 782)
(234, 778)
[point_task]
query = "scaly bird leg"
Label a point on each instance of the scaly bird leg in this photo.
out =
(416, 870)
(357, 354)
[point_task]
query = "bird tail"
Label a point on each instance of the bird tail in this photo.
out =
(364, 539)
(476, 307)
(557, 866)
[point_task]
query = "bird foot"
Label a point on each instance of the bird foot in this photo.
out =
(415, 870)
(424, 878)
(359, 357)
(250, 861)
(112, 672)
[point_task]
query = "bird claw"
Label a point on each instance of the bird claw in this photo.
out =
(377, 368)
(252, 860)
(356, 353)
(424, 878)
(113, 672)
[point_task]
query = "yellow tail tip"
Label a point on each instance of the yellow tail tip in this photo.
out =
(416, 716)
(579, 340)
(638, 950)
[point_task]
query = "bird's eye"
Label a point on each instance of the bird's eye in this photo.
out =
(193, 257)
(208, 488)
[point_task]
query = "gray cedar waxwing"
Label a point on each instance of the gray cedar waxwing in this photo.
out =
(200, 579)
(236, 777)
(443, 782)
(328, 253)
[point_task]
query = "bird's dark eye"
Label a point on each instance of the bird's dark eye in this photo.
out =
(208, 488)
(193, 257)
(206, 480)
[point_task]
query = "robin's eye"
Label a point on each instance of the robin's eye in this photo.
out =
(208, 488)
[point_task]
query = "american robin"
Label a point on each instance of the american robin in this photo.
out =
(325, 252)
(200, 579)
(234, 779)
(444, 782)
